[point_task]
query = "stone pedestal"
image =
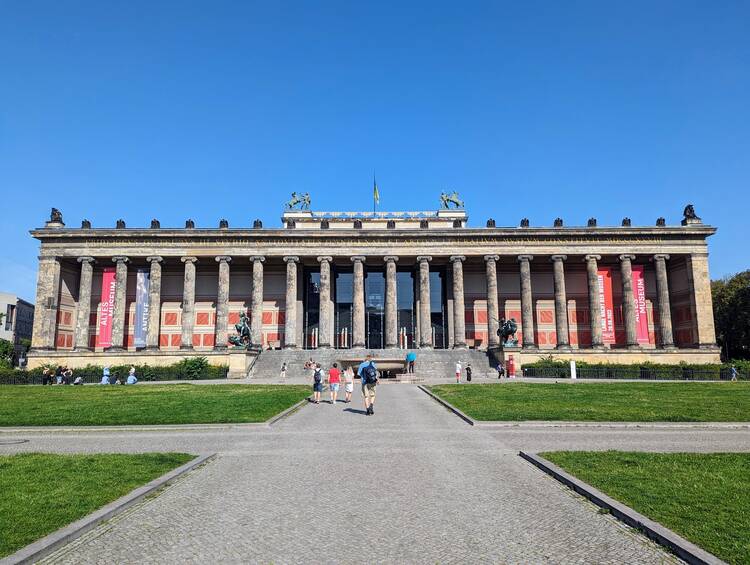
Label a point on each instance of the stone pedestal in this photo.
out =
(239, 363)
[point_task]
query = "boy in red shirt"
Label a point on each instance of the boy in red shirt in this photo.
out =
(334, 381)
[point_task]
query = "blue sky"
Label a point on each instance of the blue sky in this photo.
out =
(208, 110)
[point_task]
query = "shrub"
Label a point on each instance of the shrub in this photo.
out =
(194, 368)
(550, 367)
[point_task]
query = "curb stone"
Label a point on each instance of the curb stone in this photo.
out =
(684, 549)
(51, 542)
(447, 404)
(288, 412)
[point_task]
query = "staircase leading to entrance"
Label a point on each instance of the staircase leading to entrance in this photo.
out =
(431, 364)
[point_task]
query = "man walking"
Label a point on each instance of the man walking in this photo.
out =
(411, 358)
(369, 375)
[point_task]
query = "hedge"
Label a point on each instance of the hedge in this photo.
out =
(195, 368)
(552, 368)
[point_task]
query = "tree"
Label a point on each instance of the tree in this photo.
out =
(731, 297)
(7, 353)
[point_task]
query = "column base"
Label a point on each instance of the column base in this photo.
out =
(563, 347)
(186, 347)
(425, 346)
(152, 348)
(391, 346)
(460, 346)
(291, 346)
(634, 347)
(220, 348)
(708, 346)
(81, 349)
(599, 347)
(114, 349)
(669, 347)
(358, 345)
(324, 346)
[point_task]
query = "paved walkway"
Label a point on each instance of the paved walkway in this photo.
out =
(411, 484)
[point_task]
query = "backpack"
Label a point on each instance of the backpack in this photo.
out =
(318, 376)
(370, 374)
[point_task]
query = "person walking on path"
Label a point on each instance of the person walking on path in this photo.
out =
(411, 358)
(348, 384)
(334, 381)
(368, 372)
(458, 371)
(733, 373)
(317, 383)
(283, 371)
(468, 372)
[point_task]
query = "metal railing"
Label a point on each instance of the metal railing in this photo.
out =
(637, 373)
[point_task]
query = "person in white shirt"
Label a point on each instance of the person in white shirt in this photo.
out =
(458, 372)
(348, 384)
(131, 377)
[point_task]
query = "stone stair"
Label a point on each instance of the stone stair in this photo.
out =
(430, 364)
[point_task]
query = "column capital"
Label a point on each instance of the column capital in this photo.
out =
(189, 259)
(291, 259)
(154, 259)
(661, 257)
(223, 259)
(255, 258)
(626, 257)
(525, 257)
(556, 258)
(421, 258)
(86, 260)
(455, 258)
(592, 258)
(120, 259)
(390, 258)
(356, 258)
(325, 259)
(492, 257)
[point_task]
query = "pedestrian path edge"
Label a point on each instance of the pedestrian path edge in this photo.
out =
(684, 549)
(447, 404)
(51, 542)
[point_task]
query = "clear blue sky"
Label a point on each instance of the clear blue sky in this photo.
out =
(206, 110)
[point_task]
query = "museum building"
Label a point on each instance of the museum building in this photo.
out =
(374, 281)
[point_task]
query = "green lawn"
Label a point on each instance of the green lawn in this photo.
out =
(44, 492)
(704, 497)
(602, 402)
(94, 405)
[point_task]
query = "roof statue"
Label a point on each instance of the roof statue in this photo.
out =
(447, 199)
(300, 200)
(56, 216)
(689, 213)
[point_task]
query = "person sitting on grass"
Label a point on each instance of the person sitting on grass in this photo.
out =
(78, 380)
(131, 377)
(105, 376)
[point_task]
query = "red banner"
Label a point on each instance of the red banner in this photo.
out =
(107, 307)
(606, 304)
(639, 293)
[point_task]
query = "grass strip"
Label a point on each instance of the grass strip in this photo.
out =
(602, 402)
(42, 492)
(94, 405)
(704, 497)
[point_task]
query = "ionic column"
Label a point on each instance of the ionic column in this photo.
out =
(628, 301)
(358, 306)
(118, 313)
(154, 303)
(561, 302)
(222, 304)
(459, 316)
(256, 302)
(81, 336)
(45, 313)
(425, 313)
(595, 307)
(527, 302)
(325, 325)
(188, 303)
(662, 291)
(391, 317)
(290, 308)
(493, 308)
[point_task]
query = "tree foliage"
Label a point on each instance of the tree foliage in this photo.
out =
(7, 353)
(731, 297)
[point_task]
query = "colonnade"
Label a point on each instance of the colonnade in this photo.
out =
(49, 280)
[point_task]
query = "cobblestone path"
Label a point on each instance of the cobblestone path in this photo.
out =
(410, 484)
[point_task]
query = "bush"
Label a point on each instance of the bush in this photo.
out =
(552, 368)
(194, 368)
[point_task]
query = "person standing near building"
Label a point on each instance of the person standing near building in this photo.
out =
(317, 383)
(348, 384)
(368, 372)
(334, 381)
(411, 359)
(458, 371)
(283, 371)
(468, 372)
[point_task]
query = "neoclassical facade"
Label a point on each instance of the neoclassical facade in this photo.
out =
(385, 281)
